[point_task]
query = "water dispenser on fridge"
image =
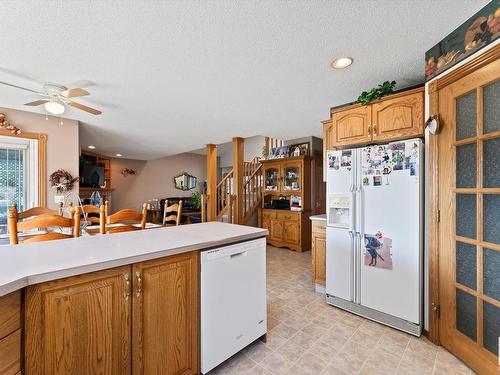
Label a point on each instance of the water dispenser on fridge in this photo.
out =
(340, 210)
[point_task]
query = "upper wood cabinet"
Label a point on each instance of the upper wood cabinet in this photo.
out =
(138, 319)
(352, 126)
(398, 118)
(79, 325)
(394, 117)
(165, 316)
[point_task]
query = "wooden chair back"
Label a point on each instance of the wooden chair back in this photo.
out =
(91, 213)
(43, 221)
(127, 217)
(172, 214)
(37, 211)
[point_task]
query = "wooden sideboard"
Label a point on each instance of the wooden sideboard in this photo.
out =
(397, 116)
(129, 319)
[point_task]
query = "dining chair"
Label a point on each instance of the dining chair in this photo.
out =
(37, 211)
(172, 214)
(92, 213)
(42, 222)
(126, 217)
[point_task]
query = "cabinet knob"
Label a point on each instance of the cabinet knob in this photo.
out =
(374, 129)
(138, 291)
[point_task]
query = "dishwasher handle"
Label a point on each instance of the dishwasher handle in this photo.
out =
(240, 254)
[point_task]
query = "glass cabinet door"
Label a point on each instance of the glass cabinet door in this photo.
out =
(272, 178)
(292, 174)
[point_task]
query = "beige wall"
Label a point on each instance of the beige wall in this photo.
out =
(63, 148)
(154, 179)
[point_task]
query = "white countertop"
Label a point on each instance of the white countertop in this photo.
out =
(318, 217)
(27, 264)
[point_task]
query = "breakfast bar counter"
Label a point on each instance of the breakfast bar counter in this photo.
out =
(124, 303)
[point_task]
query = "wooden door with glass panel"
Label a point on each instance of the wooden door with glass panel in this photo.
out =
(469, 229)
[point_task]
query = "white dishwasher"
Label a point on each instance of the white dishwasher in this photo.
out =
(233, 300)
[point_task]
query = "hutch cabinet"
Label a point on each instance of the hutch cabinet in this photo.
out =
(287, 202)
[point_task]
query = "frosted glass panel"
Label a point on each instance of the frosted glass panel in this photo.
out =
(491, 218)
(491, 327)
(466, 215)
(466, 166)
(466, 264)
(491, 273)
(466, 314)
(491, 103)
(466, 116)
(491, 160)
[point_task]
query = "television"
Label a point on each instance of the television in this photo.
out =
(91, 175)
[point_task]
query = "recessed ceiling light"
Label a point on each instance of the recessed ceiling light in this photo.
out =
(119, 155)
(91, 147)
(341, 62)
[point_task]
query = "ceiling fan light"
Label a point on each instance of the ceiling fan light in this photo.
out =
(54, 107)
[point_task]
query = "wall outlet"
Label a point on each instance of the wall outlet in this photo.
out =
(59, 199)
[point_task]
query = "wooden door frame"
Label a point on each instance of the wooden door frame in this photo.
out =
(42, 161)
(434, 86)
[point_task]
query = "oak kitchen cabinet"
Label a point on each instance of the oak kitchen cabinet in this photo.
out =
(11, 333)
(139, 319)
(318, 251)
(397, 116)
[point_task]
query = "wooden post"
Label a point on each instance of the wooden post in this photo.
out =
(238, 172)
(211, 182)
(203, 208)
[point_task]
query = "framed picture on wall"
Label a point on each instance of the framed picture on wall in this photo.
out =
(300, 149)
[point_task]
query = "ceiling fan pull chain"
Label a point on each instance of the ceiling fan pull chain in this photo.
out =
(62, 123)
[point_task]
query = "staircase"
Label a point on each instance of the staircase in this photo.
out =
(252, 193)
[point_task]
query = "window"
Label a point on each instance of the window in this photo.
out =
(18, 175)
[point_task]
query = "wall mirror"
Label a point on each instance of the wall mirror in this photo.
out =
(185, 181)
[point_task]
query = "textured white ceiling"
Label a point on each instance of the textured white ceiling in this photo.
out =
(171, 76)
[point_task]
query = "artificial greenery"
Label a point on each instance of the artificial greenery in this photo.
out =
(383, 89)
(195, 199)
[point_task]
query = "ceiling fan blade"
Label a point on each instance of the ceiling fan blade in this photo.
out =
(37, 102)
(84, 108)
(22, 88)
(74, 93)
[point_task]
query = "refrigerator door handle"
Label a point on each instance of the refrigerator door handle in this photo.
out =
(358, 267)
(352, 258)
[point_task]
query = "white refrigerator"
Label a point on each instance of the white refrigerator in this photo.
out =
(374, 235)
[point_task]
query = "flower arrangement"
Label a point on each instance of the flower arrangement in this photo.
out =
(62, 181)
(6, 125)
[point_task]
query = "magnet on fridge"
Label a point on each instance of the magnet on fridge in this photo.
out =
(366, 181)
(377, 180)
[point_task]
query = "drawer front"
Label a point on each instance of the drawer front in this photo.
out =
(319, 227)
(10, 313)
(10, 353)
(287, 216)
(268, 214)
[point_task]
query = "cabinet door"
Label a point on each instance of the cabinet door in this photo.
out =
(352, 126)
(291, 232)
(272, 177)
(292, 177)
(266, 224)
(166, 316)
(328, 142)
(79, 325)
(398, 118)
(276, 230)
(319, 259)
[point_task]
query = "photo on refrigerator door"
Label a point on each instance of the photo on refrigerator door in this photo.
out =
(378, 251)
(333, 160)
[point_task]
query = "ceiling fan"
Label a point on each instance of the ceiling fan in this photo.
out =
(55, 97)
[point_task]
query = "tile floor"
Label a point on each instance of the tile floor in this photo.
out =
(307, 336)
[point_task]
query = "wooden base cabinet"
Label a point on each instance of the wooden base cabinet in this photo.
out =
(11, 333)
(286, 228)
(318, 252)
(139, 319)
(165, 316)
